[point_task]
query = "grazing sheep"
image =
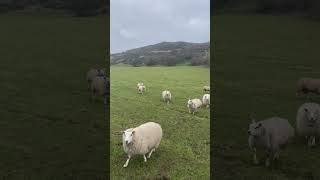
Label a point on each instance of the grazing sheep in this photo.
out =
(308, 85)
(193, 105)
(166, 96)
(141, 140)
(99, 86)
(92, 73)
(206, 89)
(308, 122)
(141, 89)
(270, 134)
(206, 100)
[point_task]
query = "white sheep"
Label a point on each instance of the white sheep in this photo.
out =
(271, 134)
(140, 84)
(193, 105)
(141, 140)
(306, 85)
(206, 89)
(166, 96)
(141, 89)
(92, 73)
(206, 100)
(99, 87)
(308, 122)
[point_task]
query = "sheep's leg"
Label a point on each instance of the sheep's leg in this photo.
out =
(189, 110)
(150, 152)
(127, 162)
(269, 154)
(145, 158)
(255, 160)
(313, 140)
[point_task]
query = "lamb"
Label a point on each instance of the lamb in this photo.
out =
(141, 89)
(306, 85)
(92, 73)
(166, 96)
(206, 89)
(206, 100)
(271, 134)
(193, 105)
(141, 140)
(308, 122)
(99, 86)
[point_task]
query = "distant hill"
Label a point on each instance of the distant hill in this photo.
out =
(165, 53)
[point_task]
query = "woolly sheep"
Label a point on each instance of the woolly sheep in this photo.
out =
(166, 96)
(308, 122)
(193, 105)
(206, 89)
(206, 100)
(99, 87)
(92, 73)
(306, 85)
(270, 134)
(141, 89)
(141, 140)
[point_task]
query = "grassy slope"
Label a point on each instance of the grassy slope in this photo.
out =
(184, 150)
(49, 127)
(258, 60)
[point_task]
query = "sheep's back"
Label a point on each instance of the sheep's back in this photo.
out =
(280, 129)
(150, 134)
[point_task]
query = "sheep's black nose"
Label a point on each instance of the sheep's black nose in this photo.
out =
(126, 142)
(249, 132)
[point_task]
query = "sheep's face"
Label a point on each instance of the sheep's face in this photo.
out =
(312, 116)
(167, 94)
(190, 103)
(127, 137)
(256, 129)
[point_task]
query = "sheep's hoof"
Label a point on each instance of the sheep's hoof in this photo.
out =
(125, 165)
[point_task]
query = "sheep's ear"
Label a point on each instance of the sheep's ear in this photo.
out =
(133, 132)
(305, 110)
(253, 120)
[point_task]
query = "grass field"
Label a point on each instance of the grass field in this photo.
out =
(49, 126)
(258, 61)
(184, 151)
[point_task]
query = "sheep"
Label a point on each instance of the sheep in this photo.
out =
(206, 100)
(308, 122)
(306, 85)
(93, 72)
(206, 89)
(166, 96)
(271, 134)
(193, 105)
(99, 86)
(141, 89)
(139, 84)
(141, 140)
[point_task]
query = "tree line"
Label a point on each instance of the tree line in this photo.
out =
(310, 8)
(78, 7)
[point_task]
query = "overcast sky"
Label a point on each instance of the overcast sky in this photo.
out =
(136, 23)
